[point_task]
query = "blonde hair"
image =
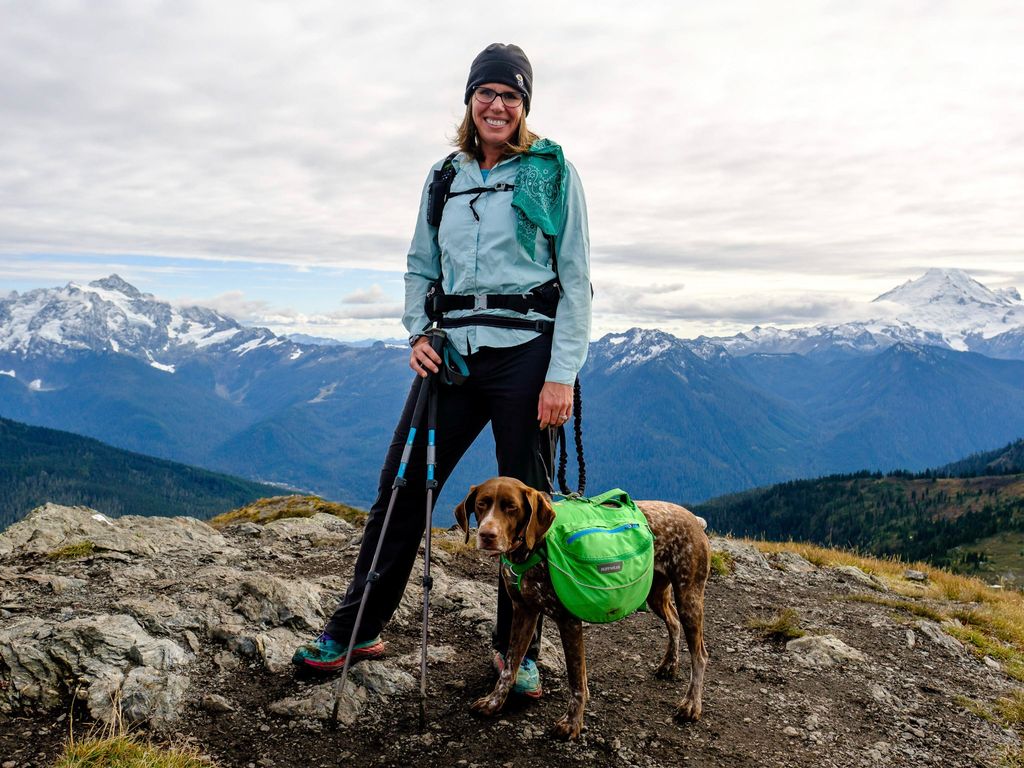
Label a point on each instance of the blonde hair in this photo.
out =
(468, 140)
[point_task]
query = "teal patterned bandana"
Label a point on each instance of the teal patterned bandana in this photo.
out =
(539, 197)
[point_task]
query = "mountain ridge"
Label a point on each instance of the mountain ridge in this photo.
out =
(684, 419)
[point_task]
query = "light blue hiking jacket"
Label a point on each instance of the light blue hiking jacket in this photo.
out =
(484, 257)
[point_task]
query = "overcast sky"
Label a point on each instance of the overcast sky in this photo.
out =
(744, 162)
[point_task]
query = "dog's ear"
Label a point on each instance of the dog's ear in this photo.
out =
(542, 515)
(465, 509)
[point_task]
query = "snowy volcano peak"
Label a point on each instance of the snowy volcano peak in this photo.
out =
(943, 308)
(948, 287)
(951, 303)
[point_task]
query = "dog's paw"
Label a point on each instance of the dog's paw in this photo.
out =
(667, 672)
(488, 706)
(567, 728)
(688, 710)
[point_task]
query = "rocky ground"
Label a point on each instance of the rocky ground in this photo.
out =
(188, 631)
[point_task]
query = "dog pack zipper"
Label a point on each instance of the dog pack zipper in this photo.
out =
(586, 531)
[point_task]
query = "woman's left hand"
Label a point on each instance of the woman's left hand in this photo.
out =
(554, 405)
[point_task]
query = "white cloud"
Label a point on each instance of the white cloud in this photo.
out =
(371, 295)
(235, 305)
(825, 145)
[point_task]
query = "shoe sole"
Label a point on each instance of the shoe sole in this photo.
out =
(358, 654)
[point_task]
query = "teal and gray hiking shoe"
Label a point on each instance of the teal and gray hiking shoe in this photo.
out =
(326, 655)
(527, 677)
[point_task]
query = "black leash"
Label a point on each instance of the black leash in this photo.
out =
(557, 441)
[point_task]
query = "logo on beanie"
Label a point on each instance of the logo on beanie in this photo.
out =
(519, 79)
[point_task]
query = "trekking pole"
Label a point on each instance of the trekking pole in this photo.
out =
(428, 581)
(422, 388)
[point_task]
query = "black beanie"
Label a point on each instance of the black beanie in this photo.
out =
(506, 64)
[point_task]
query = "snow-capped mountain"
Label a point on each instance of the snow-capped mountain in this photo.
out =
(637, 346)
(942, 308)
(111, 315)
(701, 416)
(951, 303)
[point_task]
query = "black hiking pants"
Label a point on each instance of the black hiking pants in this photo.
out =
(503, 388)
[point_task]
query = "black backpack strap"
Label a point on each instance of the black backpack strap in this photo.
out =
(496, 321)
(543, 299)
(440, 190)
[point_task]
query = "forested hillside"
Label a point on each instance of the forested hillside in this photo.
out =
(917, 517)
(1003, 461)
(39, 465)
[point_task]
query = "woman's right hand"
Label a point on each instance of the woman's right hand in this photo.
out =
(423, 359)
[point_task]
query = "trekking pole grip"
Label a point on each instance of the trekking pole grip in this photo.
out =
(437, 338)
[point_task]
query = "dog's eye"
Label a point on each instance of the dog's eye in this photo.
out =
(483, 503)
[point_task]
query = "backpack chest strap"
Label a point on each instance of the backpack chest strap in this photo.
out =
(519, 569)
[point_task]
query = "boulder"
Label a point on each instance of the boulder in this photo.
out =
(854, 575)
(822, 651)
(934, 632)
(277, 646)
(318, 703)
(319, 530)
(743, 554)
(110, 661)
(52, 527)
(791, 562)
(274, 602)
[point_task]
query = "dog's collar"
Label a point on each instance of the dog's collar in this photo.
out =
(518, 569)
(519, 542)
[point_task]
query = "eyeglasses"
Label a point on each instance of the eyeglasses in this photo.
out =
(511, 99)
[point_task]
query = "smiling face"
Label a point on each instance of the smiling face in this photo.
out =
(495, 123)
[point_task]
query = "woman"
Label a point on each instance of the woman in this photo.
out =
(515, 221)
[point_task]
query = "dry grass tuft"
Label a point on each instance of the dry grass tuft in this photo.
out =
(263, 511)
(1013, 757)
(976, 708)
(918, 609)
(116, 745)
(126, 751)
(73, 551)
(823, 557)
(785, 625)
(1011, 708)
(457, 546)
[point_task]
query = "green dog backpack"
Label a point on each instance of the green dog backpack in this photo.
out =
(600, 555)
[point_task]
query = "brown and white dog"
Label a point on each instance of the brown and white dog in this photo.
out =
(513, 519)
